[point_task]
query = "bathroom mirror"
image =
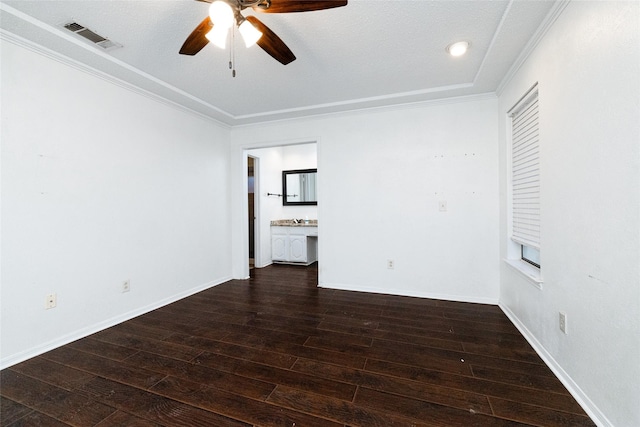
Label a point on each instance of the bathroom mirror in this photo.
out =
(299, 187)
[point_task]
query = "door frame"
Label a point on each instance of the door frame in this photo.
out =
(257, 253)
(240, 208)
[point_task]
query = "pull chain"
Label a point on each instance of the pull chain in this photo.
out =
(232, 53)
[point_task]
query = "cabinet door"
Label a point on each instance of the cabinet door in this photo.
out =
(298, 248)
(279, 247)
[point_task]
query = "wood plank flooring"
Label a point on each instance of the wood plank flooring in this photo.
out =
(276, 350)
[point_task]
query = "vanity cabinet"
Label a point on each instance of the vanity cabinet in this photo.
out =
(294, 244)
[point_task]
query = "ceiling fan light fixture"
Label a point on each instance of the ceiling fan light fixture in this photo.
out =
(458, 48)
(250, 34)
(218, 36)
(221, 14)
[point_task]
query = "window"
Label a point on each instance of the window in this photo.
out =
(525, 177)
(530, 255)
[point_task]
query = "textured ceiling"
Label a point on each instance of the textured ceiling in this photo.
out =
(366, 54)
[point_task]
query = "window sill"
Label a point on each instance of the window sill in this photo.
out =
(528, 271)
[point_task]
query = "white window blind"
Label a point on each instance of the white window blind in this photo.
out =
(525, 161)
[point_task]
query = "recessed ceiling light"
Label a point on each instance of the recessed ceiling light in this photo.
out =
(458, 48)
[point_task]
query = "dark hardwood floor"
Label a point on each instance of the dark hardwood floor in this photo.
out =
(278, 351)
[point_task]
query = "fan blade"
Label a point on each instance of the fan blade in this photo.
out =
(271, 43)
(288, 6)
(197, 40)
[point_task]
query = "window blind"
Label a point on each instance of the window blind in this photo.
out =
(525, 157)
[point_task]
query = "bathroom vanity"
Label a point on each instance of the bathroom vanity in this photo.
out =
(294, 242)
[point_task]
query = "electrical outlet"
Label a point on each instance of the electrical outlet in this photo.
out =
(51, 301)
(563, 322)
(126, 286)
(390, 264)
(442, 205)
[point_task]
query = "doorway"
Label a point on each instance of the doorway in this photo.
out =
(251, 203)
(251, 218)
(262, 169)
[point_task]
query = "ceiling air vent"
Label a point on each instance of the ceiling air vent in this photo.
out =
(94, 38)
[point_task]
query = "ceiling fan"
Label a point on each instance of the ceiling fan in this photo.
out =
(223, 13)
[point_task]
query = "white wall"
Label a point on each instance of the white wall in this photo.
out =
(101, 185)
(272, 161)
(382, 174)
(588, 68)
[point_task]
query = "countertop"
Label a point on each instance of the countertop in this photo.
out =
(293, 223)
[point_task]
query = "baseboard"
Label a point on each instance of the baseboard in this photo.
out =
(92, 329)
(401, 292)
(267, 264)
(583, 400)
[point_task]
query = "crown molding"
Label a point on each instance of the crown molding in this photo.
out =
(381, 108)
(10, 37)
(199, 108)
(556, 10)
